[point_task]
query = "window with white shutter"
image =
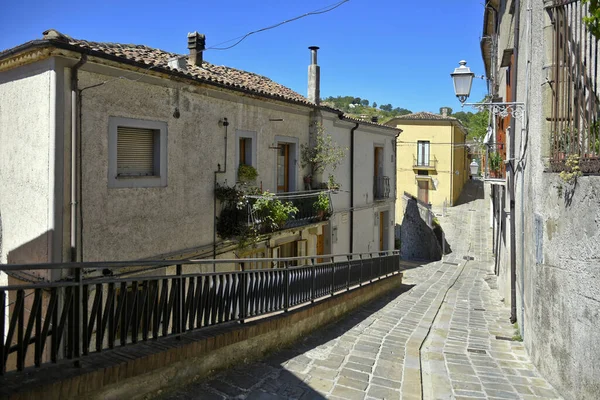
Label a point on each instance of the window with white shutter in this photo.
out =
(137, 153)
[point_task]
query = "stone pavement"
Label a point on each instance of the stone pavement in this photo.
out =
(445, 335)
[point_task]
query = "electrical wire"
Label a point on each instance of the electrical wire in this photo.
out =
(242, 38)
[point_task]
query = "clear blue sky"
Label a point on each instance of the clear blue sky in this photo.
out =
(388, 51)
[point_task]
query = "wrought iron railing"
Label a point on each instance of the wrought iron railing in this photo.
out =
(425, 164)
(80, 315)
(381, 187)
(575, 126)
(308, 212)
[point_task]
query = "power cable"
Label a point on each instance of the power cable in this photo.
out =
(242, 38)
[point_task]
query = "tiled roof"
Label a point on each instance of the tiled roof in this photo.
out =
(157, 59)
(425, 116)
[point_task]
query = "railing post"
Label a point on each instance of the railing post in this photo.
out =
(2, 330)
(243, 286)
(349, 274)
(77, 322)
(314, 280)
(360, 282)
(178, 314)
(380, 258)
(332, 275)
(286, 274)
(371, 267)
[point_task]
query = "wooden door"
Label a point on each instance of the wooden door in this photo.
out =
(283, 164)
(320, 247)
(423, 194)
(381, 231)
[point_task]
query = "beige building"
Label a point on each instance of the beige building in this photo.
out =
(113, 152)
(432, 162)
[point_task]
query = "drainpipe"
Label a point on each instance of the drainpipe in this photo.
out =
(511, 160)
(352, 186)
(218, 171)
(75, 109)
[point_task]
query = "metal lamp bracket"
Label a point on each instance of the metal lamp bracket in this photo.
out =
(514, 109)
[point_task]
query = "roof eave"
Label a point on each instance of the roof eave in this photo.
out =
(42, 43)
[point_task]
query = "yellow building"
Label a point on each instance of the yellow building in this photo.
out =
(431, 162)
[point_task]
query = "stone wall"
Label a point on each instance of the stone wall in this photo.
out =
(418, 241)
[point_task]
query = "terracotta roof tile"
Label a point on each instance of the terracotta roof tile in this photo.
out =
(223, 75)
(424, 115)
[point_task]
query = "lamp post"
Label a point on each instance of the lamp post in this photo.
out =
(463, 79)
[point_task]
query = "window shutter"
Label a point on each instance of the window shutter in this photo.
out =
(135, 152)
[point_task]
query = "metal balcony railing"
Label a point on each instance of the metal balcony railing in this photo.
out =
(306, 203)
(79, 315)
(381, 187)
(425, 164)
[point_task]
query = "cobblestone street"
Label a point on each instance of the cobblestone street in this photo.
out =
(445, 335)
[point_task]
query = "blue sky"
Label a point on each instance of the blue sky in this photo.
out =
(389, 51)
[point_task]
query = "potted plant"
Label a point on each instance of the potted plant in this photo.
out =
(320, 154)
(274, 212)
(332, 184)
(322, 205)
(246, 173)
(495, 161)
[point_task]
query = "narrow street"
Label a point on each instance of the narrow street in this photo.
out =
(445, 335)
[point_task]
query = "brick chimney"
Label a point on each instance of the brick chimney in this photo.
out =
(196, 44)
(314, 77)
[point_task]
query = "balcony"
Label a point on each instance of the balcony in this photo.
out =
(427, 165)
(272, 212)
(381, 187)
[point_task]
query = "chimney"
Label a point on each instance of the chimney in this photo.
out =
(314, 77)
(374, 118)
(196, 44)
(444, 112)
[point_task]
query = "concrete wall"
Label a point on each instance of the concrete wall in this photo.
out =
(130, 223)
(558, 238)
(27, 162)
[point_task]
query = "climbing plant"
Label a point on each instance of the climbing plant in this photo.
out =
(592, 21)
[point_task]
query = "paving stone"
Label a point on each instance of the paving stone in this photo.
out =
(358, 367)
(353, 383)
(323, 373)
(382, 392)
(471, 394)
(356, 375)
(361, 360)
(321, 385)
(348, 393)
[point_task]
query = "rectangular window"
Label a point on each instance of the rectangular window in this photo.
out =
(283, 162)
(423, 153)
(137, 151)
(245, 151)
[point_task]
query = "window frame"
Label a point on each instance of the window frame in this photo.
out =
(159, 156)
(250, 153)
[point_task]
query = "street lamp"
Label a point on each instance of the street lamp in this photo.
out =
(463, 78)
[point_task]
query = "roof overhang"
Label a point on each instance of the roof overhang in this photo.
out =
(489, 30)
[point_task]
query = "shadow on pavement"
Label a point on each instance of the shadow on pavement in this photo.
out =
(473, 190)
(269, 379)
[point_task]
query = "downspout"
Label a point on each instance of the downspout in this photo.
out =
(218, 171)
(451, 165)
(75, 131)
(352, 186)
(511, 160)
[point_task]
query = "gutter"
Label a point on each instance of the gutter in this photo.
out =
(218, 171)
(352, 131)
(75, 131)
(511, 160)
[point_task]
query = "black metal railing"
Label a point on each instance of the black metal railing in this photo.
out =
(381, 187)
(306, 203)
(425, 164)
(79, 315)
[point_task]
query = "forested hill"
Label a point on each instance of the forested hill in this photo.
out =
(363, 108)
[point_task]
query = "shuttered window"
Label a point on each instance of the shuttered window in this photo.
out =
(136, 152)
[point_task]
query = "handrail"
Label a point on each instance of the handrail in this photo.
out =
(74, 318)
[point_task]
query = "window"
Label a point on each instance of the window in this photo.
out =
(286, 161)
(245, 151)
(137, 151)
(423, 153)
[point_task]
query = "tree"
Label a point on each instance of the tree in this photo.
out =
(325, 153)
(386, 107)
(401, 111)
(365, 102)
(356, 100)
(374, 105)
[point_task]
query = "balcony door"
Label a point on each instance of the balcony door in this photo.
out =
(283, 167)
(423, 153)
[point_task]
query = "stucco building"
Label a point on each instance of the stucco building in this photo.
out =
(113, 152)
(546, 225)
(432, 162)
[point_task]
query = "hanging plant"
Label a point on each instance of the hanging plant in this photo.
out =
(247, 173)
